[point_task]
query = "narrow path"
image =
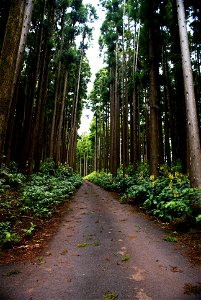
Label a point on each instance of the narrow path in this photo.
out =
(101, 247)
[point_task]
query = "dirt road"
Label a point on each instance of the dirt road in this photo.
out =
(103, 248)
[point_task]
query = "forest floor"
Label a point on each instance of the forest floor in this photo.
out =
(97, 248)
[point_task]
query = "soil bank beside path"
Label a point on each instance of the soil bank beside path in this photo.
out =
(103, 248)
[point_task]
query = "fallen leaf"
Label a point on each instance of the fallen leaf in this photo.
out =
(83, 245)
(110, 296)
(175, 269)
(125, 257)
(64, 252)
(132, 237)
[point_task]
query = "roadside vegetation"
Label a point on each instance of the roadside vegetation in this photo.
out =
(25, 206)
(168, 197)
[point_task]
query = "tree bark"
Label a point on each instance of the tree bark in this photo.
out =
(53, 123)
(8, 64)
(154, 105)
(117, 113)
(112, 119)
(14, 96)
(61, 118)
(191, 113)
(73, 129)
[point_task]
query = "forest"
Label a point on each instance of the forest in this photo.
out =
(144, 139)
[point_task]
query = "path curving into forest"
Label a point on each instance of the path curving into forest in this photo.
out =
(102, 248)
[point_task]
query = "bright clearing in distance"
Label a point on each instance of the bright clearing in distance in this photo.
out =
(95, 61)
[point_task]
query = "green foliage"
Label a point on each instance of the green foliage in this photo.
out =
(31, 229)
(168, 197)
(198, 219)
(109, 182)
(84, 146)
(7, 236)
(35, 199)
(170, 239)
(3, 185)
(83, 245)
(45, 191)
(11, 180)
(110, 296)
(125, 257)
(103, 179)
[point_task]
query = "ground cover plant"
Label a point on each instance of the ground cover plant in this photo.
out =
(26, 205)
(168, 196)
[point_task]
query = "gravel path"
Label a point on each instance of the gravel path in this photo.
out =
(102, 248)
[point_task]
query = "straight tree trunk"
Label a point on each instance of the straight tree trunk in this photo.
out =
(169, 123)
(73, 129)
(61, 118)
(117, 113)
(112, 119)
(134, 119)
(8, 60)
(191, 113)
(25, 28)
(134, 128)
(124, 104)
(56, 93)
(179, 143)
(41, 60)
(106, 142)
(154, 133)
(43, 90)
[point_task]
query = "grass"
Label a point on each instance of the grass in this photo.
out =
(110, 296)
(83, 245)
(125, 257)
(170, 239)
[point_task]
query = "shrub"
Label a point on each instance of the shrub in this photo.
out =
(168, 196)
(7, 236)
(45, 191)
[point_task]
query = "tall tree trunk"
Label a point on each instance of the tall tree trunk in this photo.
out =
(191, 113)
(134, 128)
(8, 60)
(106, 142)
(56, 93)
(61, 118)
(154, 105)
(169, 122)
(24, 32)
(73, 129)
(134, 106)
(179, 143)
(124, 104)
(116, 156)
(25, 28)
(38, 84)
(112, 119)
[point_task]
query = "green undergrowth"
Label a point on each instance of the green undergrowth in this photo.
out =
(167, 197)
(23, 204)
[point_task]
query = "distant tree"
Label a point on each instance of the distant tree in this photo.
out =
(84, 154)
